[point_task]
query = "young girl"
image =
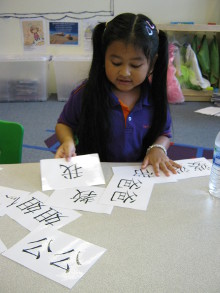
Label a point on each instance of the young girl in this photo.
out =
(121, 111)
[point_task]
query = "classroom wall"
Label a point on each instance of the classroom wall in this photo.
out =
(160, 11)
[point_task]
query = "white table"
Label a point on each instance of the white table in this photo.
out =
(173, 246)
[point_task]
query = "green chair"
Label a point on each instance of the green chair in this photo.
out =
(11, 140)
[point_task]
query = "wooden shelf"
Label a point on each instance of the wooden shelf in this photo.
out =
(197, 96)
(192, 95)
(189, 27)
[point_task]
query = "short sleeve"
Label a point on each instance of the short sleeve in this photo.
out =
(167, 131)
(70, 114)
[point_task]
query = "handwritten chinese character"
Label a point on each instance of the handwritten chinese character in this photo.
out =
(60, 258)
(37, 254)
(181, 170)
(124, 196)
(198, 166)
(31, 205)
(129, 183)
(144, 173)
(14, 198)
(84, 196)
(71, 172)
(67, 268)
(50, 216)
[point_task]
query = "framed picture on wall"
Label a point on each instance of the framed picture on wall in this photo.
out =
(64, 33)
(33, 34)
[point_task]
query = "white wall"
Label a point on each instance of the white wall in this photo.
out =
(164, 11)
(160, 11)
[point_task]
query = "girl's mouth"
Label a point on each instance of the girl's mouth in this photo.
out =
(124, 81)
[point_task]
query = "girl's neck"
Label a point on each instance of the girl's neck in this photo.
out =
(128, 98)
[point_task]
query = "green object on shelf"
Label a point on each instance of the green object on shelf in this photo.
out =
(187, 77)
(194, 44)
(214, 62)
(203, 57)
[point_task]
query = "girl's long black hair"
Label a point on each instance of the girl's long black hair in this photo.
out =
(139, 31)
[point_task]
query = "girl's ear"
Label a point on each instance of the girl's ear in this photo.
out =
(152, 65)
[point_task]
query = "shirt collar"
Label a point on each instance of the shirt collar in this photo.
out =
(144, 101)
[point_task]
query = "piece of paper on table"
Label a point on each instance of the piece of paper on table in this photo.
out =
(2, 246)
(146, 174)
(9, 197)
(56, 255)
(193, 168)
(189, 168)
(127, 192)
(213, 111)
(81, 198)
(83, 170)
(33, 211)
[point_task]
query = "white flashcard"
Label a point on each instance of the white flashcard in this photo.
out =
(56, 255)
(189, 168)
(2, 246)
(83, 170)
(33, 211)
(193, 168)
(145, 174)
(9, 197)
(82, 198)
(127, 192)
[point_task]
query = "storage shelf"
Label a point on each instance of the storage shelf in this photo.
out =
(197, 96)
(189, 27)
(193, 95)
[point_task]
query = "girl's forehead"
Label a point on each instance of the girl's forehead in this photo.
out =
(121, 48)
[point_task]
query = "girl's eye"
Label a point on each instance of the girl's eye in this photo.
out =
(116, 64)
(136, 66)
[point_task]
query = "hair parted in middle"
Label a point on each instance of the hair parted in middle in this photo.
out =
(139, 31)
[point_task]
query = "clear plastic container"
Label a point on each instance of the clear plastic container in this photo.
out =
(214, 181)
(23, 78)
(70, 71)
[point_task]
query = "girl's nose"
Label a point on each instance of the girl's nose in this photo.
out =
(125, 71)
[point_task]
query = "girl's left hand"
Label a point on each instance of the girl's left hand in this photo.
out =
(159, 160)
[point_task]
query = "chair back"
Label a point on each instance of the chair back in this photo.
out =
(11, 140)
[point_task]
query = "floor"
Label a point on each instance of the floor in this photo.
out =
(39, 120)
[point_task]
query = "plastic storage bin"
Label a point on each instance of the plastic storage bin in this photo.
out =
(23, 78)
(70, 71)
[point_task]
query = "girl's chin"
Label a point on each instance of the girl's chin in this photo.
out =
(124, 86)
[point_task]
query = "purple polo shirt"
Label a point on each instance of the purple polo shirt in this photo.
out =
(124, 143)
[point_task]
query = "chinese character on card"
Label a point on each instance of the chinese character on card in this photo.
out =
(79, 171)
(56, 255)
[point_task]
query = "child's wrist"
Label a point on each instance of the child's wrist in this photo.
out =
(69, 140)
(160, 146)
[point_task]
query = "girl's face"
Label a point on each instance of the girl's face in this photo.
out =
(126, 67)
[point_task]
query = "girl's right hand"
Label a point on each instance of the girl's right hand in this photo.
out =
(66, 150)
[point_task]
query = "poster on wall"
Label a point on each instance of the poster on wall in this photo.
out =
(33, 34)
(64, 33)
(88, 28)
